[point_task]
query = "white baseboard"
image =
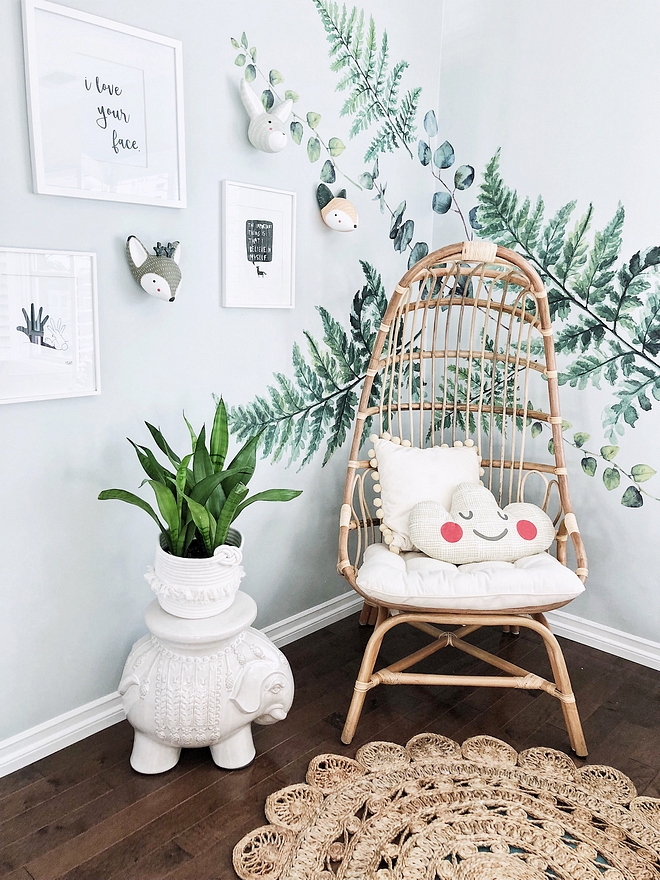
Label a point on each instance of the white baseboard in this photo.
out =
(51, 736)
(605, 638)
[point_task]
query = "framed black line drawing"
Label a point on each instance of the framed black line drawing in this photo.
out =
(105, 108)
(48, 325)
(258, 246)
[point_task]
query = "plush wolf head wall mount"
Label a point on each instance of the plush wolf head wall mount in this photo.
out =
(337, 212)
(267, 131)
(157, 273)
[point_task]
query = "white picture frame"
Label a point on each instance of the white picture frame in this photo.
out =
(49, 336)
(258, 247)
(105, 108)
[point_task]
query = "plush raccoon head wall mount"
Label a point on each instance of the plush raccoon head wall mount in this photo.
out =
(337, 212)
(157, 273)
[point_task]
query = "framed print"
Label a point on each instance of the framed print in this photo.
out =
(105, 108)
(48, 325)
(258, 246)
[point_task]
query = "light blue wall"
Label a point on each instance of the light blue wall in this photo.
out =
(72, 590)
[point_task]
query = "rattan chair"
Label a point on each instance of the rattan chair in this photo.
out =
(464, 348)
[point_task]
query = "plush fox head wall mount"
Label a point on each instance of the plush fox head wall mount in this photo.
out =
(337, 212)
(157, 273)
(267, 130)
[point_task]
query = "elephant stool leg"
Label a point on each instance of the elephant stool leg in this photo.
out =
(149, 756)
(235, 751)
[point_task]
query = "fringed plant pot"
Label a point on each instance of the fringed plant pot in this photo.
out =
(196, 588)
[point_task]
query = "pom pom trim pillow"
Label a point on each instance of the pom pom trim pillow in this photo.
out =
(406, 475)
(475, 529)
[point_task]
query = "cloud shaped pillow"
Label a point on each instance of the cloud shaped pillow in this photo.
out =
(477, 530)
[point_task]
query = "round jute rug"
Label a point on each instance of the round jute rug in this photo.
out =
(435, 810)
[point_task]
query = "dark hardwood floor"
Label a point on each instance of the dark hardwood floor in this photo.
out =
(83, 814)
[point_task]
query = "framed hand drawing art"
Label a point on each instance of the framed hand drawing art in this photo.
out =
(258, 246)
(48, 325)
(105, 107)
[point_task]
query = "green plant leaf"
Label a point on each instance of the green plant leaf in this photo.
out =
(589, 465)
(219, 441)
(244, 40)
(268, 495)
(163, 445)
(130, 498)
(253, 54)
(313, 149)
(244, 461)
(267, 99)
(205, 522)
(537, 427)
(291, 96)
(642, 472)
(404, 236)
(611, 478)
(632, 497)
(191, 431)
(202, 464)
(419, 251)
(366, 180)
(296, 131)
(202, 491)
(235, 43)
(151, 466)
(397, 217)
(229, 513)
(580, 438)
(240, 60)
(464, 177)
(335, 146)
(328, 172)
(609, 452)
(168, 509)
(275, 77)
(441, 202)
(431, 124)
(313, 119)
(565, 425)
(250, 73)
(444, 156)
(424, 153)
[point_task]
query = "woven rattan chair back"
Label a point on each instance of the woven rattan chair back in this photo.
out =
(465, 354)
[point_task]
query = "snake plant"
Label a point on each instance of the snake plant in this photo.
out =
(198, 499)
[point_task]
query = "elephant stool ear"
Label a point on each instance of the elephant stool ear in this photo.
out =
(136, 250)
(247, 691)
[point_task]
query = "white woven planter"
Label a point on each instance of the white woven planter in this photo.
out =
(194, 588)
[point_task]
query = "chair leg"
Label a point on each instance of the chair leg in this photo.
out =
(563, 682)
(364, 677)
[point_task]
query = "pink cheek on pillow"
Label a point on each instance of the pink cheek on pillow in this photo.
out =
(526, 529)
(451, 532)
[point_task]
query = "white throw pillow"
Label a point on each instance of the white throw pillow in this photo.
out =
(408, 475)
(477, 530)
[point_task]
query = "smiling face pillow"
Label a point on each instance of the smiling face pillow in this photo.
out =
(477, 530)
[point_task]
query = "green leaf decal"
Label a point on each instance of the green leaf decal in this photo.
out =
(313, 149)
(267, 99)
(431, 124)
(580, 438)
(235, 43)
(464, 177)
(642, 472)
(296, 130)
(537, 427)
(424, 153)
(551, 446)
(419, 251)
(609, 452)
(240, 60)
(611, 478)
(244, 40)
(397, 217)
(335, 146)
(291, 96)
(589, 465)
(632, 497)
(275, 78)
(441, 202)
(444, 156)
(328, 172)
(404, 236)
(253, 54)
(366, 180)
(313, 119)
(250, 73)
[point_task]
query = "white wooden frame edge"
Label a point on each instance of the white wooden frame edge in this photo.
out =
(223, 249)
(32, 100)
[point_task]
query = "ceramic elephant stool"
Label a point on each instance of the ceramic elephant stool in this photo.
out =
(194, 683)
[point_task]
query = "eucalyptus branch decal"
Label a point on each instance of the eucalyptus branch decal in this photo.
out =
(321, 400)
(611, 318)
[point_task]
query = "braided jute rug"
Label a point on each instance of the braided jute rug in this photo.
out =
(435, 810)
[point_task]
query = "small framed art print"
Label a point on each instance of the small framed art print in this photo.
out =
(258, 246)
(48, 325)
(105, 108)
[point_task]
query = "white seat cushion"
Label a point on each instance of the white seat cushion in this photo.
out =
(417, 581)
